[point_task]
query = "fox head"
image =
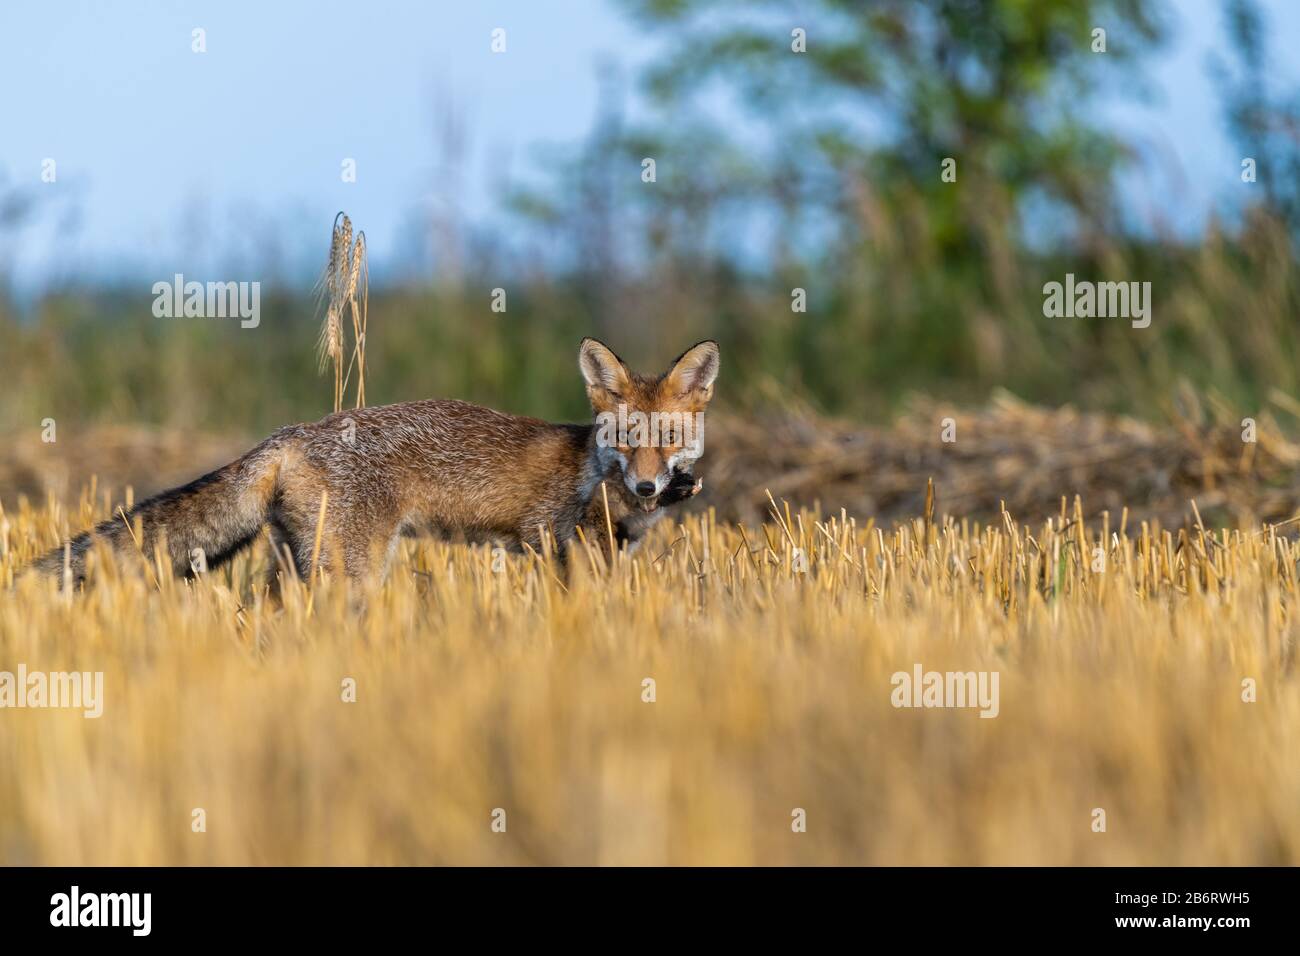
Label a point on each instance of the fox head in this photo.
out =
(648, 428)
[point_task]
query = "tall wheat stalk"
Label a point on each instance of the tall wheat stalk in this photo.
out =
(347, 271)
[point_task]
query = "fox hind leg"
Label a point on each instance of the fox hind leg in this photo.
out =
(287, 550)
(370, 547)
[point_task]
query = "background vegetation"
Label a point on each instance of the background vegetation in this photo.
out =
(833, 185)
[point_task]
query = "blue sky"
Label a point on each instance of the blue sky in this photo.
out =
(172, 160)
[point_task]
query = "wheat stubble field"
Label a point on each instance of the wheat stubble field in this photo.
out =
(479, 690)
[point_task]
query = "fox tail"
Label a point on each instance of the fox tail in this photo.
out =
(203, 523)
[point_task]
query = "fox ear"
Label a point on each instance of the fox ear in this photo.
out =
(602, 370)
(695, 370)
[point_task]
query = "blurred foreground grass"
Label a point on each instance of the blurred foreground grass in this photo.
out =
(1119, 689)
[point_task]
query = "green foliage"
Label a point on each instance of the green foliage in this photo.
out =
(887, 90)
(109, 359)
(1223, 320)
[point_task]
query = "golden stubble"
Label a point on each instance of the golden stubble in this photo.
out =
(1121, 654)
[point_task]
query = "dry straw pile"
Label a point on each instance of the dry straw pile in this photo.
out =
(1012, 454)
(1008, 453)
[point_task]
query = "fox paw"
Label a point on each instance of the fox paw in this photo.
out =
(682, 486)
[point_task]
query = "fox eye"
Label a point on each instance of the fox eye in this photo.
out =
(668, 436)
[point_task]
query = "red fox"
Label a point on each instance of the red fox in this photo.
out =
(446, 466)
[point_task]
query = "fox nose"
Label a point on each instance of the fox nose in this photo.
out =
(645, 488)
